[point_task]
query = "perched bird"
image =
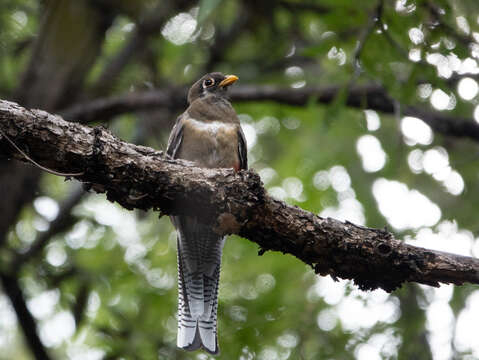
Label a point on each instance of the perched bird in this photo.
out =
(209, 134)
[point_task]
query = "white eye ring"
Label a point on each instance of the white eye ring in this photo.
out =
(208, 82)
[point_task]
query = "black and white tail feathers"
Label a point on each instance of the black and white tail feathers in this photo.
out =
(199, 260)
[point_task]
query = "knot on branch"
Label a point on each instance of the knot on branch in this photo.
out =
(97, 146)
(384, 249)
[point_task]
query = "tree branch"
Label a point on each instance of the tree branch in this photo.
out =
(63, 221)
(224, 39)
(25, 319)
(105, 108)
(304, 6)
(373, 21)
(234, 203)
(369, 96)
(136, 43)
(437, 15)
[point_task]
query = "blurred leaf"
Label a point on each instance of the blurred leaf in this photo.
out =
(207, 7)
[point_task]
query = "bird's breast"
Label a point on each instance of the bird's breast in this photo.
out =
(212, 128)
(210, 143)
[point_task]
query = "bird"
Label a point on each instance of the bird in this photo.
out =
(209, 134)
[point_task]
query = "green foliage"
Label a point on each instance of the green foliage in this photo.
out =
(273, 306)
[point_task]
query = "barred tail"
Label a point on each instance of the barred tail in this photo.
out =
(199, 260)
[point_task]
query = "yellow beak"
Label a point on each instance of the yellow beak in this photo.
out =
(228, 80)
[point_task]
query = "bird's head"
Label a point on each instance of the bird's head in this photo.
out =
(211, 84)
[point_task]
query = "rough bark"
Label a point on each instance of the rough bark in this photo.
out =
(369, 96)
(63, 53)
(69, 41)
(143, 178)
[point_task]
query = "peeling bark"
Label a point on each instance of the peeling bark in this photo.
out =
(143, 178)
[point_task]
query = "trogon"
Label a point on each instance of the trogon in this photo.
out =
(209, 134)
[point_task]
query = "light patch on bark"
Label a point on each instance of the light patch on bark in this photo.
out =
(227, 224)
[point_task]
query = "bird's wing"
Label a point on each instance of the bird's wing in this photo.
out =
(242, 150)
(176, 137)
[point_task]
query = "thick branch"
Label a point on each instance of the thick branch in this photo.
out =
(140, 177)
(68, 42)
(359, 96)
(104, 109)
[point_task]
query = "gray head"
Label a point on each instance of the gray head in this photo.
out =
(210, 84)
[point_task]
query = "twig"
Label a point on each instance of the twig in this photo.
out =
(384, 30)
(25, 319)
(81, 302)
(304, 6)
(225, 39)
(136, 43)
(50, 171)
(373, 21)
(62, 222)
(435, 12)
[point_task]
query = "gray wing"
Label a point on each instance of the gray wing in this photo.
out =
(242, 150)
(176, 138)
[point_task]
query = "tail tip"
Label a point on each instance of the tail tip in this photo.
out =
(197, 343)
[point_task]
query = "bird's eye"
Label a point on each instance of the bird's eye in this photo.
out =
(208, 82)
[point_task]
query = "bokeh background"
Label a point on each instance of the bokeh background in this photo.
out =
(394, 145)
